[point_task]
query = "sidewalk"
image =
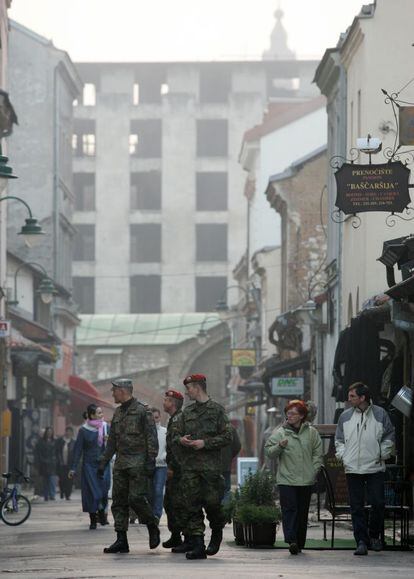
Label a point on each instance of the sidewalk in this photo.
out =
(55, 542)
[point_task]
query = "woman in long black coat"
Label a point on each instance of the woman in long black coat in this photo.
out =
(46, 463)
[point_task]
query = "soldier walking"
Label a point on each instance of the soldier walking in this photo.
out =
(173, 499)
(133, 437)
(203, 428)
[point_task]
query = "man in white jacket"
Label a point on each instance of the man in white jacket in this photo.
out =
(364, 440)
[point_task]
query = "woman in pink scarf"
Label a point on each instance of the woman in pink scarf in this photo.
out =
(90, 445)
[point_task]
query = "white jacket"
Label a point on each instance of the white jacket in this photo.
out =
(364, 440)
(161, 459)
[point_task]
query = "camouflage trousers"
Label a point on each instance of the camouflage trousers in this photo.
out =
(175, 505)
(130, 489)
(202, 490)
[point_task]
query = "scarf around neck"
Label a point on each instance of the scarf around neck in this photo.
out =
(99, 426)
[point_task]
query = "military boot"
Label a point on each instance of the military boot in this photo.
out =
(198, 550)
(93, 520)
(120, 545)
(215, 542)
(154, 536)
(184, 547)
(173, 541)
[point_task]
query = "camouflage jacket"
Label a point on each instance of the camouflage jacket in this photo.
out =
(173, 449)
(209, 422)
(133, 437)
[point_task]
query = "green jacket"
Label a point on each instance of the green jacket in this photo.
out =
(209, 422)
(133, 437)
(173, 449)
(301, 459)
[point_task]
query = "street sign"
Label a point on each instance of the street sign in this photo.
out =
(4, 328)
(287, 386)
(243, 357)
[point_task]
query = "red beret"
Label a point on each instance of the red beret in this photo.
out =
(194, 378)
(174, 394)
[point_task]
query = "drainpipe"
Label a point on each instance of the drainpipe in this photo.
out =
(56, 170)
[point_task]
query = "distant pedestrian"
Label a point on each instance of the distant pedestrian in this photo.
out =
(133, 438)
(64, 458)
(228, 453)
(174, 504)
(203, 428)
(298, 446)
(160, 474)
(364, 440)
(46, 463)
(90, 445)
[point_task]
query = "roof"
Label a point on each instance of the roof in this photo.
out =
(297, 165)
(142, 329)
(281, 114)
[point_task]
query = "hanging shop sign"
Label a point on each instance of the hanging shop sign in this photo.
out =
(243, 357)
(362, 188)
(406, 126)
(288, 386)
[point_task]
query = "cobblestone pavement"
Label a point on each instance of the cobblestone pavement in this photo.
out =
(56, 542)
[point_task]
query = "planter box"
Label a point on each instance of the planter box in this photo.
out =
(238, 533)
(259, 535)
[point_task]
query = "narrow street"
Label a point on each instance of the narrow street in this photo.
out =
(56, 542)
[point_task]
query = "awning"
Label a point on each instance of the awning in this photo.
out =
(274, 367)
(84, 392)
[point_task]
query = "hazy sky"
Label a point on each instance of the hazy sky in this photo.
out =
(148, 30)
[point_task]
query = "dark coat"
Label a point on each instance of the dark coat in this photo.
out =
(59, 453)
(46, 457)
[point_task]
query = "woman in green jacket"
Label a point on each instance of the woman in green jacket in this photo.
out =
(298, 446)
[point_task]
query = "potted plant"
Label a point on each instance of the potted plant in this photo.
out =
(255, 511)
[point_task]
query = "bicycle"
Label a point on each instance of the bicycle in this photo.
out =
(15, 508)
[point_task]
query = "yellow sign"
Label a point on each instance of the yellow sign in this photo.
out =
(246, 357)
(6, 422)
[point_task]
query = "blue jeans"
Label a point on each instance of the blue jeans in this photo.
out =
(49, 487)
(366, 489)
(158, 484)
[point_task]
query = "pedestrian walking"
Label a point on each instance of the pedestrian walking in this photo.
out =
(64, 458)
(228, 453)
(46, 463)
(203, 428)
(173, 499)
(160, 474)
(298, 447)
(364, 439)
(133, 438)
(90, 445)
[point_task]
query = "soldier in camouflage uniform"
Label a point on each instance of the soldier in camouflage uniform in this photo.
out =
(203, 429)
(173, 499)
(133, 437)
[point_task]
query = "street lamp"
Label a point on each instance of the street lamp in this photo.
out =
(46, 289)
(31, 231)
(202, 335)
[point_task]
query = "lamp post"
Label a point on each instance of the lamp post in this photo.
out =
(46, 289)
(31, 231)
(202, 334)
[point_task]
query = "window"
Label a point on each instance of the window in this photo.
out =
(145, 292)
(209, 290)
(84, 294)
(214, 84)
(84, 249)
(84, 189)
(83, 138)
(89, 95)
(212, 140)
(145, 138)
(146, 191)
(145, 242)
(211, 191)
(211, 242)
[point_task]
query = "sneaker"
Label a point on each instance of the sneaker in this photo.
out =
(376, 545)
(361, 549)
(293, 548)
